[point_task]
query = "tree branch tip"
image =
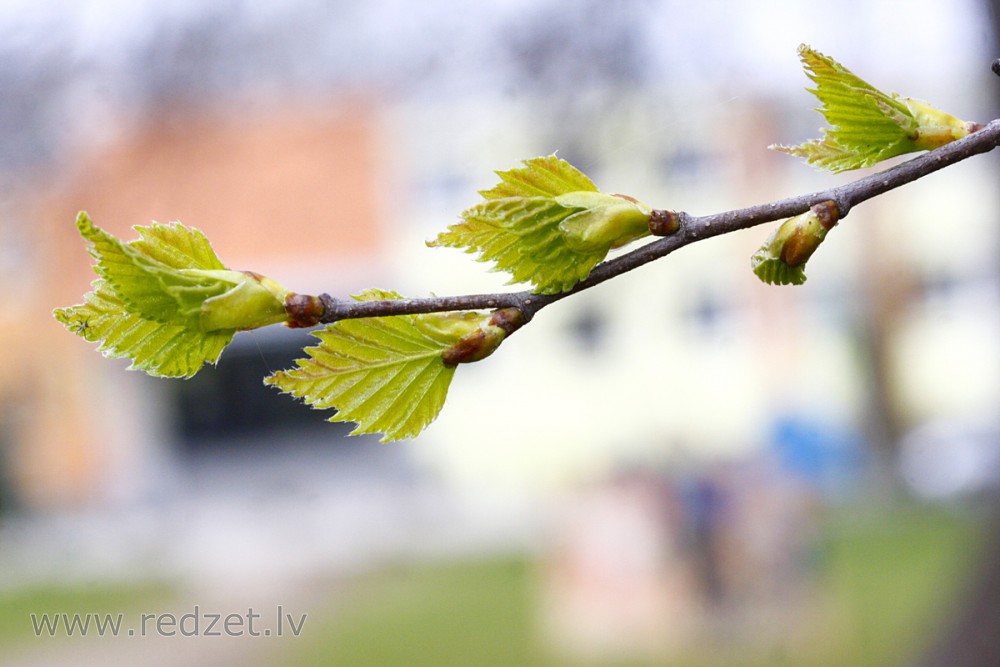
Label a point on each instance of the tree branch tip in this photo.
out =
(675, 229)
(996, 66)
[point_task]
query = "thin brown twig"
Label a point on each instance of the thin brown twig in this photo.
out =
(692, 228)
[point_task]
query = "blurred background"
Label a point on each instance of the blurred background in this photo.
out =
(680, 467)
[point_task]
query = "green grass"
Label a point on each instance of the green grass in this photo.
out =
(885, 582)
(896, 577)
(16, 607)
(468, 614)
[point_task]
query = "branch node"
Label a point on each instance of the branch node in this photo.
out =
(841, 201)
(331, 309)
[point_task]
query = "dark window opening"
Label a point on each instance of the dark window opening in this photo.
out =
(589, 329)
(711, 317)
(228, 406)
(707, 314)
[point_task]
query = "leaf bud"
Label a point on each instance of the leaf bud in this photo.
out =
(254, 301)
(484, 340)
(935, 127)
(663, 223)
(782, 258)
(606, 221)
(303, 310)
(449, 327)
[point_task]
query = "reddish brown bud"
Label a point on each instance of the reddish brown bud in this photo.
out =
(483, 341)
(798, 248)
(508, 319)
(303, 310)
(827, 213)
(799, 237)
(663, 223)
(470, 347)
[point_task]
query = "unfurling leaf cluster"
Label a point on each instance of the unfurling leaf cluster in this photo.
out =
(168, 303)
(867, 125)
(547, 223)
(390, 374)
(165, 300)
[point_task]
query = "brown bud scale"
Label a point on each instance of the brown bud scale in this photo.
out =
(508, 319)
(468, 348)
(303, 310)
(626, 198)
(798, 248)
(827, 213)
(663, 223)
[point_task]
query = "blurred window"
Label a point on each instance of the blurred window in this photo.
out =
(588, 328)
(228, 406)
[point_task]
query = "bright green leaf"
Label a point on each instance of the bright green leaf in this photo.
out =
(773, 271)
(546, 223)
(175, 245)
(546, 176)
(166, 301)
(385, 373)
(522, 237)
(148, 287)
(165, 350)
(172, 275)
(866, 124)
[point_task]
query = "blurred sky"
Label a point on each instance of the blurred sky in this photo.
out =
(68, 67)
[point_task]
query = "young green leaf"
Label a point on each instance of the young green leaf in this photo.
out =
(782, 259)
(546, 223)
(162, 350)
(389, 374)
(172, 275)
(166, 301)
(866, 124)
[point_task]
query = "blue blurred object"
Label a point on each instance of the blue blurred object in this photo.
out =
(827, 456)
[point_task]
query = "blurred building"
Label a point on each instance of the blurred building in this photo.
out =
(288, 192)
